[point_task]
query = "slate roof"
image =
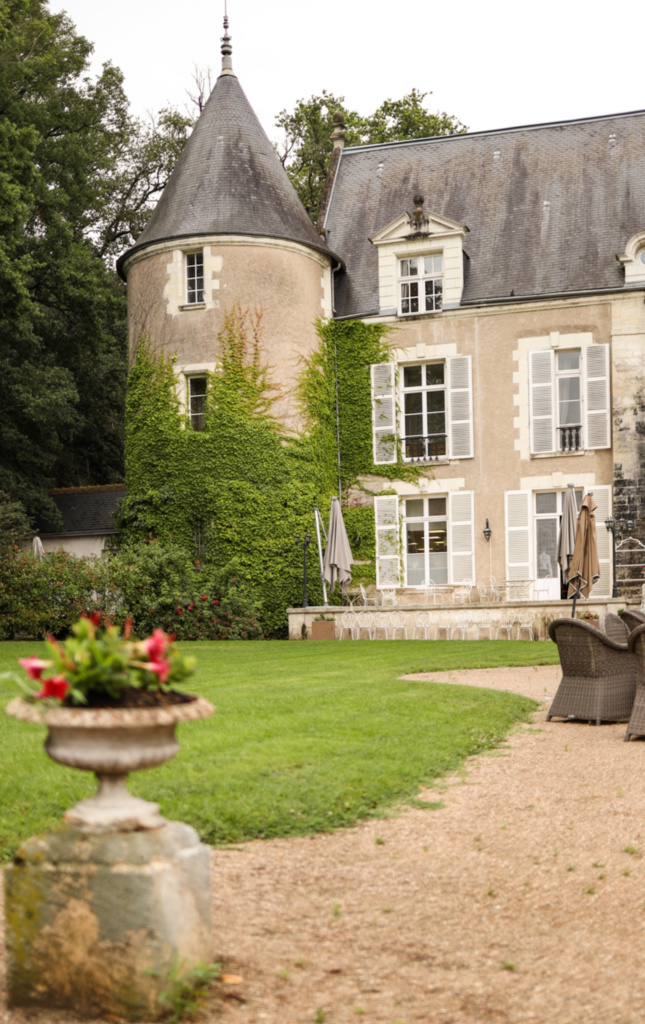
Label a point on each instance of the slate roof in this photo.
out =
(228, 180)
(548, 206)
(88, 511)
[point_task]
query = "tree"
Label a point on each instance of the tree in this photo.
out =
(307, 146)
(78, 175)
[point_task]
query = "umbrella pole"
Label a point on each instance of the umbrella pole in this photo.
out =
(318, 519)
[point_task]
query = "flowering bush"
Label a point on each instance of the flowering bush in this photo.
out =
(588, 616)
(98, 665)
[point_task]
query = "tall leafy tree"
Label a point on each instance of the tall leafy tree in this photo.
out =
(306, 146)
(77, 178)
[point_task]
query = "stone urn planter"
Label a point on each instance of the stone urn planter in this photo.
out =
(107, 911)
(112, 742)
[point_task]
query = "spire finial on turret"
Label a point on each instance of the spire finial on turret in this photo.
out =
(227, 49)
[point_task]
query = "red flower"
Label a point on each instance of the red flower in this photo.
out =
(95, 619)
(160, 668)
(215, 602)
(203, 597)
(155, 646)
(34, 667)
(56, 687)
(127, 628)
(179, 611)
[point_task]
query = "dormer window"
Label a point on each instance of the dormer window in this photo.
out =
(194, 278)
(420, 285)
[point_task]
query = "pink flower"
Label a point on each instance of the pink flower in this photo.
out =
(56, 687)
(34, 667)
(160, 668)
(155, 646)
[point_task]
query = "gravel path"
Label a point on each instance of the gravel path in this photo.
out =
(522, 899)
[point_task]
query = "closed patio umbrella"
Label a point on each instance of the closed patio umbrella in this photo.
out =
(584, 570)
(338, 556)
(568, 525)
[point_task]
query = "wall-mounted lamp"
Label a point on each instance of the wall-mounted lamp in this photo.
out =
(487, 531)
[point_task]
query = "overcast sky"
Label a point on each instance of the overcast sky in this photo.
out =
(491, 63)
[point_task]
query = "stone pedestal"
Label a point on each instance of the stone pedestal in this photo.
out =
(102, 921)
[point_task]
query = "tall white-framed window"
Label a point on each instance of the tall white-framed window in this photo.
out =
(425, 540)
(194, 278)
(532, 529)
(547, 519)
(569, 400)
(424, 411)
(420, 285)
(196, 387)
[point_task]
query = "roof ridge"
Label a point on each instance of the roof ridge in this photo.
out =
(490, 131)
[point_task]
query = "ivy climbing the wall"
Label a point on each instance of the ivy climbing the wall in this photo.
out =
(236, 494)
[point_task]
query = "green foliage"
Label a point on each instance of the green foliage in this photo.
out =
(15, 527)
(240, 484)
(307, 737)
(186, 991)
(347, 349)
(39, 596)
(307, 146)
(77, 178)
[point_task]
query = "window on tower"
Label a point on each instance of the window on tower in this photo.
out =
(194, 278)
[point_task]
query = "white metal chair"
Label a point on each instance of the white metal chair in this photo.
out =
(422, 621)
(388, 596)
(430, 591)
(462, 592)
(382, 620)
(462, 626)
(398, 621)
(525, 621)
(365, 621)
(366, 600)
(485, 623)
(506, 622)
(348, 621)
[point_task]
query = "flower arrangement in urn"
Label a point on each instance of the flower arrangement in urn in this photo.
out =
(109, 707)
(98, 667)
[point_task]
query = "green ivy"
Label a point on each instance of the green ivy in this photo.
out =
(245, 487)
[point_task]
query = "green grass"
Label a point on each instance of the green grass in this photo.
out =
(307, 737)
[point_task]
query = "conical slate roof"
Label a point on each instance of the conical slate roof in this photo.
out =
(229, 180)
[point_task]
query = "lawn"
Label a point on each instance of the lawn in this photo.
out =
(307, 737)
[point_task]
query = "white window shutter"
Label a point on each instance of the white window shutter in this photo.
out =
(597, 400)
(518, 535)
(602, 497)
(460, 443)
(388, 557)
(462, 541)
(542, 411)
(384, 413)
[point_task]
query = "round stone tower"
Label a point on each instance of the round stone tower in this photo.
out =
(229, 229)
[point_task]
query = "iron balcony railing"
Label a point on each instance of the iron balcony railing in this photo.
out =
(570, 438)
(429, 448)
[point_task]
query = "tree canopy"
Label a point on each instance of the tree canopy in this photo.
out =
(77, 177)
(307, 145)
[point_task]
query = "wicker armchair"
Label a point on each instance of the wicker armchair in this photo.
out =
(614, 627)
(636, 645)
(599, 676)
(633, 618)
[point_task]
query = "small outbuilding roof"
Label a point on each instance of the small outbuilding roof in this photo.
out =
(88, 511)
(548, 206)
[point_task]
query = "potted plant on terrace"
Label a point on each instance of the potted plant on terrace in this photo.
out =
(109, 706)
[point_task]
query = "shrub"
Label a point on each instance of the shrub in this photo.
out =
(39, 596)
